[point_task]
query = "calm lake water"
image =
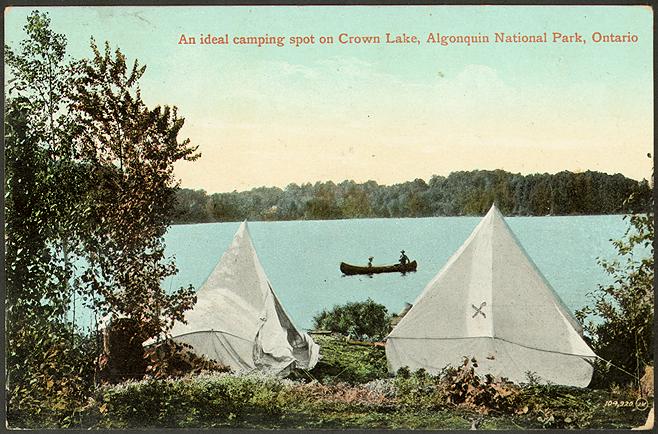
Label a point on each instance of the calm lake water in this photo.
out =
(301, 258)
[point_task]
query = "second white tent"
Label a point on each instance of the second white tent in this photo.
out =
(490, 302)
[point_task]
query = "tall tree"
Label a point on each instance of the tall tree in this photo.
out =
(131, 150)
(45, 193)
(89, 175)
(44, 183)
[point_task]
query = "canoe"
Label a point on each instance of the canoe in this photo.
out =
(348, 269)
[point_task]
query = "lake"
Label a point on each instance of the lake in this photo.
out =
(301, 258)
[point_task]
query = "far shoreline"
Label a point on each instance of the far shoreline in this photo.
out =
(396, 218)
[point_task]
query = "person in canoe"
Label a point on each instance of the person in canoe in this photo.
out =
(404, 260)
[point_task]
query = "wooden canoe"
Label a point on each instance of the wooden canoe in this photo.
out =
(348, 269)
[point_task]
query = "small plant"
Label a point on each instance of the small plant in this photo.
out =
(532, 378)
(382, 386)
(464, 387)
(403, 372)
(417, 389)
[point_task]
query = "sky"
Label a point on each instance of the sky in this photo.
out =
(271, 116)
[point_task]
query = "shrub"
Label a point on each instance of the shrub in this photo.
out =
(51, 383)
(622, 313)
(456, 387)
(365, 320)
(201, 401)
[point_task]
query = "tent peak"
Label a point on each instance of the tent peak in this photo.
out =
(493, 211)
(244, 227)
(493, 207)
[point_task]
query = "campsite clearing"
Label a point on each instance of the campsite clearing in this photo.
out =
(408, 401)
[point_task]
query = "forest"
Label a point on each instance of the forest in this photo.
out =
(460, 193)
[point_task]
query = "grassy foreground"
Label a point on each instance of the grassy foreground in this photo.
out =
(350, 388)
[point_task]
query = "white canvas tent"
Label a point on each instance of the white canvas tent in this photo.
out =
(491, 302)
(238, 320)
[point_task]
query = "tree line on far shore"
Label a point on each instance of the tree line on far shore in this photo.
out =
(458, 194)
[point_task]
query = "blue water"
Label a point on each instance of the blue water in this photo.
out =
(301, 258)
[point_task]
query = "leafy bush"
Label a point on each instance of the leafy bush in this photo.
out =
(456, 387)
(365, 320)
(417, 389)
(622, 313)
(50, 376)
(463, 387)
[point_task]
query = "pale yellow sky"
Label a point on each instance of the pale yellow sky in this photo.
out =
(270, 116)
(393, 131)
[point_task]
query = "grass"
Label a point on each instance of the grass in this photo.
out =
(342, 361)
(352, 390)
